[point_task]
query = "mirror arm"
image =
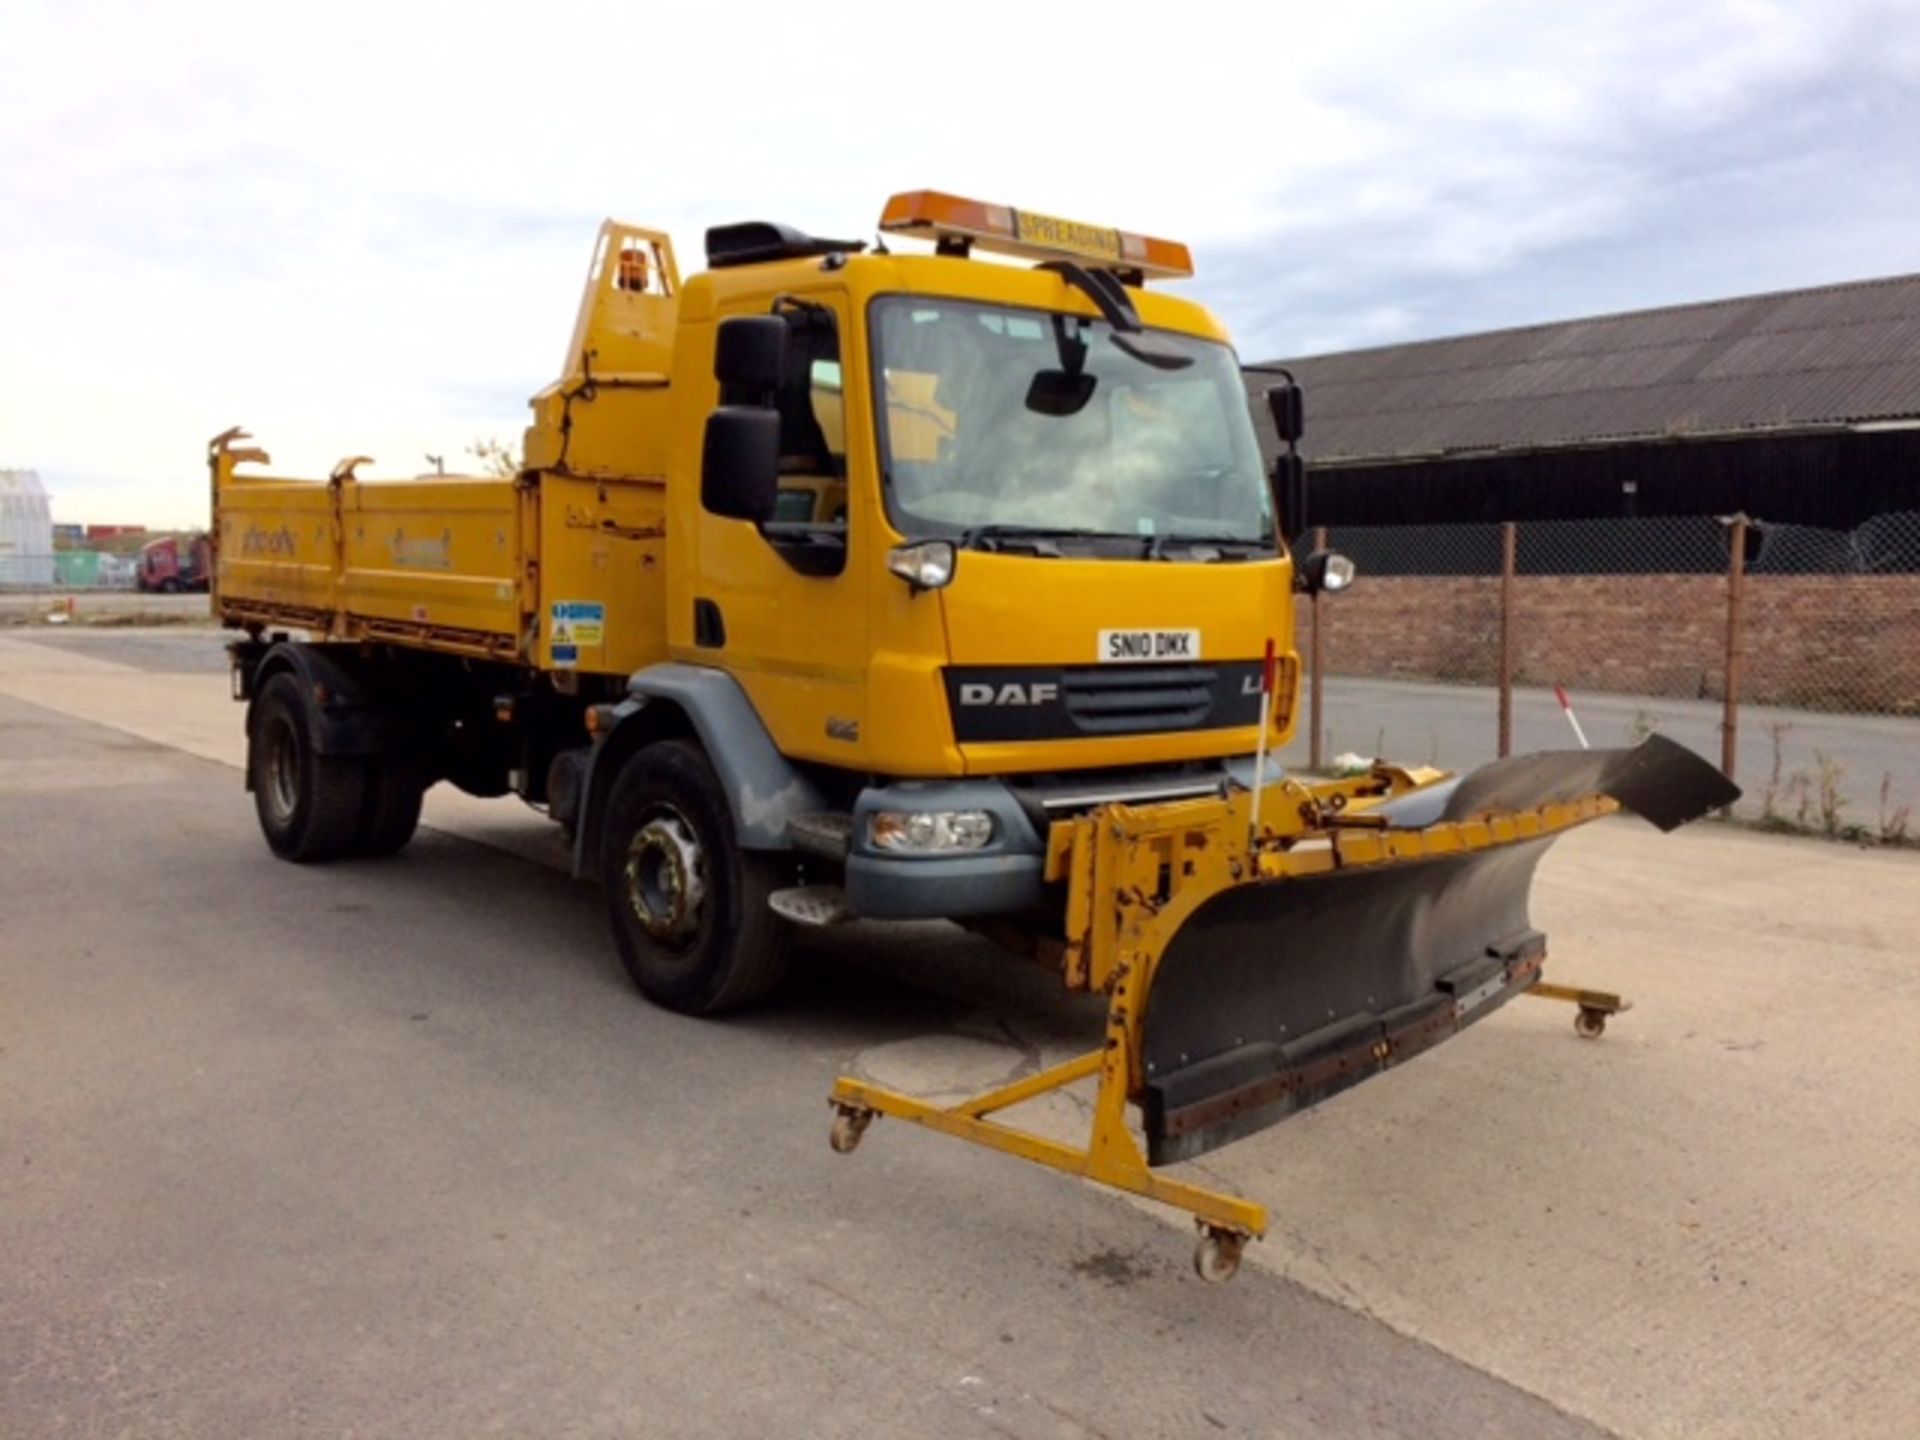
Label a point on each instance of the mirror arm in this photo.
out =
(1110, 298)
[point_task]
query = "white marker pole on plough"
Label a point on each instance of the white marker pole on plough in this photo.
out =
(1260, 751)
(1560, 693)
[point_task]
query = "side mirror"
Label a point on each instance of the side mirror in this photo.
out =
(1323, 570)
(740, 463)
(750, 354)
(1287, 404)
(1289, 483)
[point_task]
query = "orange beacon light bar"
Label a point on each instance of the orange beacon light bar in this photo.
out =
(931, 215)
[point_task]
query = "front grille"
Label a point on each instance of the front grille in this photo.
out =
(1127, 700)
(1044, 702)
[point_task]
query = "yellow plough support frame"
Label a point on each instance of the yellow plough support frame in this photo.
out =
(1134, 877)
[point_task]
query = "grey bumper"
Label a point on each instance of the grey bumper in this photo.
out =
(1002, 879)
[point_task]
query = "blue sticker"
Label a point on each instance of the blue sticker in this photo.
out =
(577, 622)
(566, 654)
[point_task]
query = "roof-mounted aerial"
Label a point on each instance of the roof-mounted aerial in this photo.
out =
(957, 226)
(757, 242)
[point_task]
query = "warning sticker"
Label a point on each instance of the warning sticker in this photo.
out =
(577, 623)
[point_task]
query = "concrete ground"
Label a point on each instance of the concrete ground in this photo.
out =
(388, 1148)
(33, 607)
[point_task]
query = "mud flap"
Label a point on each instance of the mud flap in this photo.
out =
(1277, 995)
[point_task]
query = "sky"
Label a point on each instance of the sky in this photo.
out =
(362, 228)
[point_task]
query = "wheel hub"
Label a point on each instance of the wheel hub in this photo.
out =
(664, 870)
(283, 770)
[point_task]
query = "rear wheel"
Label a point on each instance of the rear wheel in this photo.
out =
(390, 812)
(309, 804)
(689, 908)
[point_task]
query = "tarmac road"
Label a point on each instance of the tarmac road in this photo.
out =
(1457, 727)
(1414, 722)
(390, 1148)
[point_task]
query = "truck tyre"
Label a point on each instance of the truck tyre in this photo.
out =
(309, 804)
(390, 813)
(689, 907)
(170, 586)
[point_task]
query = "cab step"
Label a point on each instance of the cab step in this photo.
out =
(815, 906)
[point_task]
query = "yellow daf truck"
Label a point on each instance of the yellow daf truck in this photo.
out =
(840, 582)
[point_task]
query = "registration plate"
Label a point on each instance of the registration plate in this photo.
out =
(1148, 647)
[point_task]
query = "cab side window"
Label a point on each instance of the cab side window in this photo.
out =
(813, 445)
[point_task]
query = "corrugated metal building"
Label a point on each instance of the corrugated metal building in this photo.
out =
(26, 530)
(1802, 407)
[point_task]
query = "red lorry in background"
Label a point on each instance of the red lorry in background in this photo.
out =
(174, 563)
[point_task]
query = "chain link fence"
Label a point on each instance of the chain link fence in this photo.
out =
(1789, 654)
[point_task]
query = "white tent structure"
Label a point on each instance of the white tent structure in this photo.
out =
(26, 530)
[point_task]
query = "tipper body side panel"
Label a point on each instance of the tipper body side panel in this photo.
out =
(442, 554)
(559, 567)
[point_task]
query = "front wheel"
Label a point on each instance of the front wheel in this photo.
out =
(689, 907)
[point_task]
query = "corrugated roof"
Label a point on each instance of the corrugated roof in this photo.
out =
(1797, 359)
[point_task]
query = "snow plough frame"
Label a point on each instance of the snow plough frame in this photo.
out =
(1138, 876)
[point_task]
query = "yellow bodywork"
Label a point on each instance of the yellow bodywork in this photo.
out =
(601, 536)
(434, 562)
(476, 565)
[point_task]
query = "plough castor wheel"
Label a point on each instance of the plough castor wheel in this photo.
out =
(1589, 1023)
(849, 1124)
(1217, 1255)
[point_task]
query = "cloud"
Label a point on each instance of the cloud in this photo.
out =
(1671, 157)
(362, 227)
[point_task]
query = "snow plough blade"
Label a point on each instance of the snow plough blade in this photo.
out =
(1250, 975)
(1277, 994)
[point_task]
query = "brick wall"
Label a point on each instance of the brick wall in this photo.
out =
(1843, 642)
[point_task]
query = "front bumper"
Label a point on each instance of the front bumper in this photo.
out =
(1006, 878)
(1002, 879)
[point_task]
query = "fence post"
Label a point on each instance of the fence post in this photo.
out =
(1316, 681)
(1509, 544)
(1736, 593)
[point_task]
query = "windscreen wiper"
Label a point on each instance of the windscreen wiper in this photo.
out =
(1043, 539)
(1238, 544)
(994, 537)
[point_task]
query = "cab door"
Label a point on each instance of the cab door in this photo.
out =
(782, 605)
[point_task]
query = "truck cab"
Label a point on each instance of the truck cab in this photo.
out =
(979, 543)
(173, 564)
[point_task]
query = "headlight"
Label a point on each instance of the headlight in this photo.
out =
(929, 830)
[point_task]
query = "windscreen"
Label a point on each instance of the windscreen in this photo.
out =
(1028, 418)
